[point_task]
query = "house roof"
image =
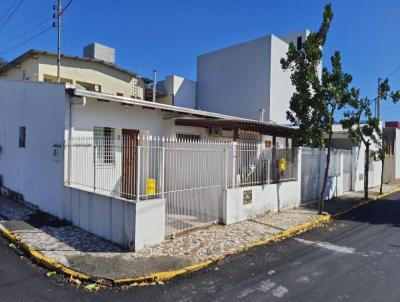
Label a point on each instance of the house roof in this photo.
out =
(34, 52)
(187, 116)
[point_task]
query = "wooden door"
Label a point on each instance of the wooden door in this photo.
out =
(129, 149)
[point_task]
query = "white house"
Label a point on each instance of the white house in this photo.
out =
(246, 79)
(341, 140)
(391, 137)
(96, 160)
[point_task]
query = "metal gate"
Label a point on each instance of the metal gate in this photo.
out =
(196, 175)
(310, 174)
(347, 170)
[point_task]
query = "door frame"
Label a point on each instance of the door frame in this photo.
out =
(128, 163)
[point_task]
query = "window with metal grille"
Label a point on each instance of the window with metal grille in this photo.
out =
(104, 138)
(185, 136)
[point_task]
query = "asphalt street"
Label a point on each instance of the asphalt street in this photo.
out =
(354, 258)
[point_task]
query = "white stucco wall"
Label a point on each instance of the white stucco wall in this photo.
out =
(270, 197)
(181, 92)
(185, 92)
(33, 171)
(244, 78)
(114, 115)
(375, 169)
(127, 223)
(280, 83)
(397, 154)
(235, 80)
(265, 198)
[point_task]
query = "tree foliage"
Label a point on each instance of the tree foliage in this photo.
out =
(306, 105)
(318, 96)
(364, 127)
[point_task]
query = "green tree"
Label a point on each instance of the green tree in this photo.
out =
(317, 98)
(365, 128)
(383, 94)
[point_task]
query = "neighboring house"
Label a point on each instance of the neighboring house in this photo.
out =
(247, 79)
(95, 71)
(91, 157)
(341, 140)
(391, 137)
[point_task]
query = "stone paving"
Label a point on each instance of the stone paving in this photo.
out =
(75, 247)
(64, 242)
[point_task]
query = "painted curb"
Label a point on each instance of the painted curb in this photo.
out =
(365, 202)
(163, 276)
(51, 264)
(41, 259)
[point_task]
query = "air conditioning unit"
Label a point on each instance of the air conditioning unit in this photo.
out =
(215, 131)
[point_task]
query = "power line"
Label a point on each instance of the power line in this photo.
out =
(25, 32)
(26, 41)
(26, 22)
(393, 72)
(65, 7)
(11, 14)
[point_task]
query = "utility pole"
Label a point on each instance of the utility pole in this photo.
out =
(58, 41)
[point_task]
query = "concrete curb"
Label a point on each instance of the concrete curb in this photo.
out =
(41, 259)
(153, 278)
(163, 276)
(365, 202)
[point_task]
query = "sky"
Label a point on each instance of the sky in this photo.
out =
(167, 35)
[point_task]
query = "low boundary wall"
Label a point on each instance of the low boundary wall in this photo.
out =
(133, 225)
(248, 202)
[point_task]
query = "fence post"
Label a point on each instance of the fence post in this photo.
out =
(68, 156)
(162, 171)
(94, 168)
(138, 173)
(226, 168)
(234, 155)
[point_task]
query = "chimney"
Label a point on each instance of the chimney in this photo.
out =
(262, 112)
(99, 52)
(154, 85)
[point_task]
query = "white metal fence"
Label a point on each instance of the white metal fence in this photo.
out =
(313, 168)
(190, 175)
(255, 165)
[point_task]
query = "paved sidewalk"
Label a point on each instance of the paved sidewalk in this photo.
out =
(91, 255)
(351, 199)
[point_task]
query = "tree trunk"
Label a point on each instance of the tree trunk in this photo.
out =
(383, 166)
(328, 160)
(366, 169)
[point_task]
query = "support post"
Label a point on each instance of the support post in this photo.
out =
(234, 156)
(162, 172)
(94, 168)
(138, 173)
(226, 168)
